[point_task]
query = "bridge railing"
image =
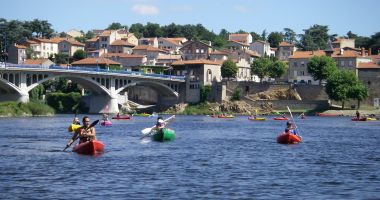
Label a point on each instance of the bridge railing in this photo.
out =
(96, 69)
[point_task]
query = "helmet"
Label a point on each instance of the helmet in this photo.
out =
(288, 123)
(160, 121)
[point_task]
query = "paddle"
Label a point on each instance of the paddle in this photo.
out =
(147, 131)
(91, 125)
(291, 115)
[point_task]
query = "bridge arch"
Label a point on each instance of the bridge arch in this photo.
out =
(6, 85)
(88, 82)
(166, 90)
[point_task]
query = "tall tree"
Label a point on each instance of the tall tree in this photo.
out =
(315, 37)
(229, 69)
(359, 92)
(339, 85)
(277, 69)
(290, 36)
(264, 35)
(375, 43)
(116, 26)
(255, 36)
(137, 29)
(274, 38)
(79, 55)
(320, 67)
(260, 67)
(224, 34)
(152, 30)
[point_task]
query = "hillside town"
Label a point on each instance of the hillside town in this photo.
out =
(199, 61)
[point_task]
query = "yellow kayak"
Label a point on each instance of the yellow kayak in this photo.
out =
(73, 127)
(371, 119)
(257, 118)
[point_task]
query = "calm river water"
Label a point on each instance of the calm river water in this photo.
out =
(210, 159)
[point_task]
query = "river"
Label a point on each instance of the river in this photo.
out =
(210, 159)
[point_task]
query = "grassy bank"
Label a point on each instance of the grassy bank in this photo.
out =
(17, 109)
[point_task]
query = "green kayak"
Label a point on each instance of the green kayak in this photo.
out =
(165, 134)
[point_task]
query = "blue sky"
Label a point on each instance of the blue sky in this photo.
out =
(361, 17)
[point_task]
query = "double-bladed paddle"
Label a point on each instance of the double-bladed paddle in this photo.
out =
(91, 125)
(291, 115)
(147, 131)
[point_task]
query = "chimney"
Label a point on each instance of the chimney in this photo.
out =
(363, 51)
(369, 51)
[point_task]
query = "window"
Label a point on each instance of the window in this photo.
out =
(302, 63)
(197, 51)
(342, 63)
(202, 51)
(350, 63)
(295, 64)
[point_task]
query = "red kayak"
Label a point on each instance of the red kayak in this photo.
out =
(327, 115)
(89, 148)
(359, 119)
(122, 117)
(280, 118)
(288, 138)
(106, 123)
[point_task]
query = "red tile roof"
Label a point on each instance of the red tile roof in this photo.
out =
(94, 61)
(122, 55)
(121, 43)
(369, 65)
(285, 44)
(148, 48)
(35, 61)
(197, 62)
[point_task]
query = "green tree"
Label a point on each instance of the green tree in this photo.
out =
(260, 67)
(152, 30)
(264, 35)
(224, 34)
(315, 37)
(290, 36)
(137, 29)
(274, 38)
(79, 55)
(236, 95)
(60, 58)
(374, 43)
(89, 35)
(277, 69)
(204, 92)
(116, 26)
(255, 36)
(359, 92)
(320, 67)
(339, 85)
(229, 69)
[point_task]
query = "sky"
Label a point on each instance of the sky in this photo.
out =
(360, 17)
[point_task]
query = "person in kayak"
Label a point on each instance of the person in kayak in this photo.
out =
(76, 121)
(290, 128)
(105, 117)
(357, 114)
(85, 133)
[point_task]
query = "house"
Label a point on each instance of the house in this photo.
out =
(149, 42)
(151, 52)
(43, 62)
(128, 61)
(285, 50)
(199, 73)
(69, 46)
(97, 63)
(17, 54)
(167, 60)
(195, 50)
(344, 59)
(127, 36)
(74, 33)
(92, 44)
(219, 55)
(43, 48)
(245, 38)
(343, 42)
(172, 45)
(235, 45)
(369, 74)
(96, 53)
(262, 48)
(121, 46)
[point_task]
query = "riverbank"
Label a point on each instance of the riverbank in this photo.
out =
(18, 109)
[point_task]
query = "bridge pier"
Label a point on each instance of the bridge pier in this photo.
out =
(102, 104)
(24, 98)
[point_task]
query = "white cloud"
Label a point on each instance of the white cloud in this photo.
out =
(145, 9)
(240, 8)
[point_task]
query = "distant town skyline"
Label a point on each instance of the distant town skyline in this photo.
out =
(340, 16)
